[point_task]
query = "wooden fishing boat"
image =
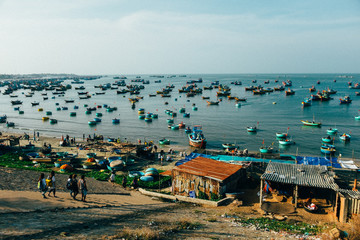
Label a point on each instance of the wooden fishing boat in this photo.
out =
(92, 123)
(306, 103)
(312, 123)
(285, 142)
(240, 99)
(281, 135)
(196, 138)
(332, 131)
(212, 102)
(186, 115)
(251, 129)
(229, 146)
(48, 113)
(265, 149)
(72, 114)
(289, 92)
(53, 121)
(328, 149)
(69, 100)
(345, 137)
(327, 139)
(203, 97)
(357, 118)
(10, 124)
(35, 103)
(188, 130)
(97, 120)
(164, 141)
(148, 119)
(312, 89)
(174, 127)
(16, 102)
(345, 100)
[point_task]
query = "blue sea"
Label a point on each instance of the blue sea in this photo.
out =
(221, 123)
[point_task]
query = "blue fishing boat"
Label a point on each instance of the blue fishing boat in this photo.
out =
(306, 102)
(148, 119)
(10, 124)
(170, 120)
(142, 116)
(327, 139)
(345, 137)
(251, 129)
(53, 121)
(328, 149)
(357, 118)
(97, 119)
(99, 114)
(229, 146)
(116, 121)
(281, 135)
(265, 149)
(72, 114)
(345, 100)
(164, 141)
(286, 142)
(332, 131)
(181, 110)
(188, 130)
(196, 138)
(92, 123)
(186, 115)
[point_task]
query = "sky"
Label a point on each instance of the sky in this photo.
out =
(179, 36)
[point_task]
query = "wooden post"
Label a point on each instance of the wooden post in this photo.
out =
(296, 196)
(261, 191)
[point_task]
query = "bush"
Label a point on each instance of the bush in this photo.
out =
(202, 195)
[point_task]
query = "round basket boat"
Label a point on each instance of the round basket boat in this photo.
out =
(147, 178)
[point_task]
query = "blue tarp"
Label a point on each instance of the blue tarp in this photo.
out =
(299, 160)
(322, 161)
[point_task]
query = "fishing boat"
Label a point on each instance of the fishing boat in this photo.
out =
(72, 114)
(306, 103)
(141, 116)
(10, 124)
(186, 115)
(265, 149)
(357, 118)
(345, 137)
(187, 130)
(228, 146)
(3, 119)
(48, 113)
(312, 89)
(116, 121)
(53, 121)
(35, 103)
(181, 125)
(312, 123)
(285, 142)
(196, 138)
(281, 135)
(69, 100)
(92, 123)
(251, 129)
(164, 141)
(328, 149)
(289, 92)
(345, 100)
(326, 139)
(332, 131)
(45, 118)
(16, 102)
(174, 127)
(148, 119)
(97, 120)
(212, 102)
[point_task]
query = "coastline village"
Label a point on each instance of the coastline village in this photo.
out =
(275, 196)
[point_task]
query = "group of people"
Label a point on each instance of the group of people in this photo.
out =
(75, 186)
(47, 185)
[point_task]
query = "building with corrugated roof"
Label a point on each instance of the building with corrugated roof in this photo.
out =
(206, 177)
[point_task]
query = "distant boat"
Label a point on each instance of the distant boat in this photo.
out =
(312, 123)
(212, 102)
(35, 103)
(16, 102)
(345, 100)
(251, 129)
(331, 131)
(286, 142)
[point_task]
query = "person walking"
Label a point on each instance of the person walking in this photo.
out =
(74, 186)
(52, 188)
(124, 181)
(83, 188)
(112, 178)
(69, 185)
(42, 185)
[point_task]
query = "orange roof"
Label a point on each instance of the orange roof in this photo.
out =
(210, 168)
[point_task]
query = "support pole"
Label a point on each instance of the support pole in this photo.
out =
(296, 196)
(261, 191)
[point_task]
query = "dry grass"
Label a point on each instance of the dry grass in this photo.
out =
(159, 229)
(355, 228)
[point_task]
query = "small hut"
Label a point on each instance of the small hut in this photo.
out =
(203, 177)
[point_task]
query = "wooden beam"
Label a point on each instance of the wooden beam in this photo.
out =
(261, 191)
(296, 196)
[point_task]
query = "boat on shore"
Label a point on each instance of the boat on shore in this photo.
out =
(196, 138)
